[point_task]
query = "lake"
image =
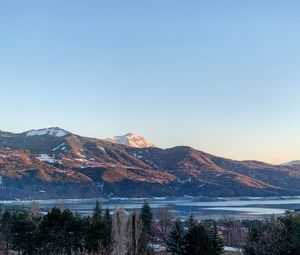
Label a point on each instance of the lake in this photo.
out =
(242, 208)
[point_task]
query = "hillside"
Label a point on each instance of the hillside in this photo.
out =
(54, 163)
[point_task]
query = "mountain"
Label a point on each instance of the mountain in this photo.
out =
(292, 163)
(132, 140)
(55, 131)
(54, 163)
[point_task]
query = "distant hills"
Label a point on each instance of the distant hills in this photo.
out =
(55, 163)
(292, 163)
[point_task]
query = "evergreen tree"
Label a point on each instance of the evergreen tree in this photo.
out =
(6, 224)
(51, 237)
(23, 234)
(176, 239)
(292, 224)
(146, 216)
(217, 241)
(61, 233)
(107, 237)
(97, 215)
(199, 241)
(95, 236)
(73, 232)
(191, 222)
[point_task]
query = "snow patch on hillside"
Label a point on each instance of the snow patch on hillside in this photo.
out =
(46, 158)
(102, 149)
(59, 146)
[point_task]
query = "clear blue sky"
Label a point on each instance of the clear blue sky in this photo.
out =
(221, 76)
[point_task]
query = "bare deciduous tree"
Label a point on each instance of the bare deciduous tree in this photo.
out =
(234, 233)
(134, 232)
(34, 209)
(163, 221)
(127, 233)
(119, 227)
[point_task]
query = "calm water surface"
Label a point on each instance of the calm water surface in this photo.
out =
(245, 208)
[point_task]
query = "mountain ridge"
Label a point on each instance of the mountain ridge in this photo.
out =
(291, 163)
(45, 165)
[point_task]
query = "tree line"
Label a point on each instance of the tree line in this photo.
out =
(65, 232)
(274, 236)
(194, 238)
(122, 233)
(271, 236)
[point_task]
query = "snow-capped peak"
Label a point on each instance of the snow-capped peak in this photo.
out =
(132, 140)
(55, 131)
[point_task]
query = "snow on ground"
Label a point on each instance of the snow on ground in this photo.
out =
(79, 154)
(228, 248)
(157, 247)
(46, 158)
(47, 131)
(189, 180)
(131, 139)
(138, 156)
(101, 148)
(80, 159)
(56, 148)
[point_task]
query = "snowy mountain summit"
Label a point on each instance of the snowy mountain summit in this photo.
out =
(54, 131)
(132, 140)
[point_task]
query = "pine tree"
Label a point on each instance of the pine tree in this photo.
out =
(176, 239)
(73, 232)
(51, 234)
(6, 224)
(291, 222)
(146, 216)
(191, 222)
(217, 241)
(199, 241)
(97, 215)
(107, 236)
(94, 238)
(23, 234)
